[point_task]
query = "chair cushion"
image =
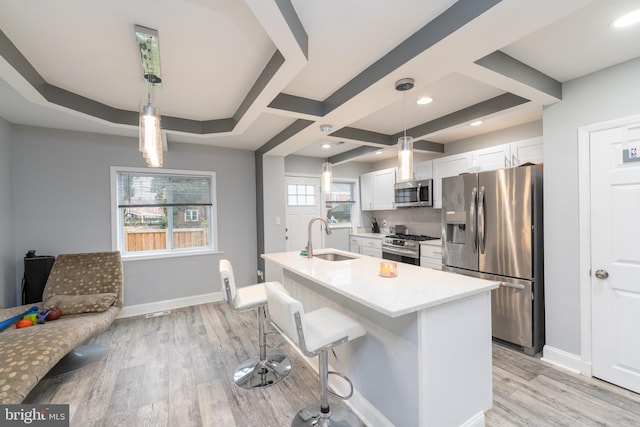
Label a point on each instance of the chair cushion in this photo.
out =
(86, 273)
(250, 296)
(326, 325)
(76, 304)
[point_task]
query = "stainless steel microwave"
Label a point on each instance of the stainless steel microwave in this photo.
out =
(413, 193)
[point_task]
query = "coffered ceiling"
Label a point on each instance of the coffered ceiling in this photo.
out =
(265, 74)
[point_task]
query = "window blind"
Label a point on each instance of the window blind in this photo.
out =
(155, 190)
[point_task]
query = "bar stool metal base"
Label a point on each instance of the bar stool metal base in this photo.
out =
(256, 373)
(340, 416)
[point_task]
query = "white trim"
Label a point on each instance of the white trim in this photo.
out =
(475, 421)
(584, 223)
(115, 219)
(152, 307)
(565, 360)
(584, 195)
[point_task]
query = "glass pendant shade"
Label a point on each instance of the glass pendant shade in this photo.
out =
(405, 158)
(150, 136)
(327, 176)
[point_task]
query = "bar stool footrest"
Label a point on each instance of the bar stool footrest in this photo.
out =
(344, 377)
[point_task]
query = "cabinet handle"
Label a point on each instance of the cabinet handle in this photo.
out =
(512, 285)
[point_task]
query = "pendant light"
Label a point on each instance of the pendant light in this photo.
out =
(327, 167)
(327, 176)
(150, 134)
(405, 143)
(150, 139)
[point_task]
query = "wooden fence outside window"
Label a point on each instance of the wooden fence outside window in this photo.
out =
(136, 240)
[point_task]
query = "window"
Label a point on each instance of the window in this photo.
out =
(339, 204)
(162, 213)
(301, 195)
(191, 215)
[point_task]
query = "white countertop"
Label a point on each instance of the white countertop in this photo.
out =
(414, 289)
(437, 242)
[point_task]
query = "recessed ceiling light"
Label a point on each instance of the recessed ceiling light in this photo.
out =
(476, 123)
(627, 19)
(425, 100)
(326, 146)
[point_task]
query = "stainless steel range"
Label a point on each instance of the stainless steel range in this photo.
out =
(403, 247)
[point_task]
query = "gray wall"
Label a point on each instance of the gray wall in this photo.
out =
(609, 94)
(8, 292)
(61, 204)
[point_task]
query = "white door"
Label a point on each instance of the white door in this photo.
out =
(615, 257)
(303, 203)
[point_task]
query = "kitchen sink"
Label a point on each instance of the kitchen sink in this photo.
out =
(333, 256)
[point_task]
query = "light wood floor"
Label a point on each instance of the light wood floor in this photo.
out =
(177, 370)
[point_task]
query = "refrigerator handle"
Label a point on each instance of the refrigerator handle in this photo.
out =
(472, 218)
(481, 225)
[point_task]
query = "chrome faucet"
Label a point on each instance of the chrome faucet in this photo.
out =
(326, 227)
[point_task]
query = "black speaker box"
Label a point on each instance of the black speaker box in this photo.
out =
(36, 273)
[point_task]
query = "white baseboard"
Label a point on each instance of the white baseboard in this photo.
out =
(152, 307)
(565, 360)
(475, 421)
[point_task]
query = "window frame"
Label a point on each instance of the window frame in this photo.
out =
(355, 204)
(116, 225)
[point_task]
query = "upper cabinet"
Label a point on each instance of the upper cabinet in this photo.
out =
(527, 150)
(423, 170)
(490, 158)
(486, 159)
(376, 190)
(444, 167)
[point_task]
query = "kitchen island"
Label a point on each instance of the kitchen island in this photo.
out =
(426, 358)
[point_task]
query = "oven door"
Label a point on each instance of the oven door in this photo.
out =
(407, 256)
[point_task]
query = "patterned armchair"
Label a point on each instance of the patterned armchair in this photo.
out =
(88, 289)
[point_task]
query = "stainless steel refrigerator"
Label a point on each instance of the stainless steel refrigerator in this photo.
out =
(492, 228)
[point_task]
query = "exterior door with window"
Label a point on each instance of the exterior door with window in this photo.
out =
(615, 255)
(303, 203)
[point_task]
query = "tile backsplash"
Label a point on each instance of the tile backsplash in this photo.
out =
(417, 220)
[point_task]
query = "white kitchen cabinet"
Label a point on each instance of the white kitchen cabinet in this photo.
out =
(371, 247)
(491, 158)
(527, 150)
(445, 167)
(376, 190)
(355, 244)
(423, 170)
(431, 255)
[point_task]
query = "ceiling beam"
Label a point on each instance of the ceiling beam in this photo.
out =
(351, 155)
(509, 67)
(255, 94)
(473, 112)
(287, 133)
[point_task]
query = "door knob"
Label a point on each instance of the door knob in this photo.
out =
(602, 274)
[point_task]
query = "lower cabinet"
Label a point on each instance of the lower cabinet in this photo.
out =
(371, 246)
(431, 256)
(354, 244)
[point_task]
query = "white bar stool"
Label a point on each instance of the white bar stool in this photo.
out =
(267, 369)
(315, 333)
